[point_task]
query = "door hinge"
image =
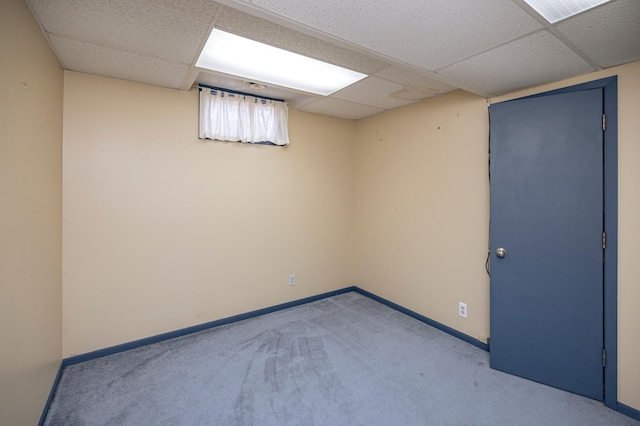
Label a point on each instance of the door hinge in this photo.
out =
(604, 358)
(604, 240)
(604, 122)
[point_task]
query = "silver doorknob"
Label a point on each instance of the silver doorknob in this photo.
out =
(501, 252)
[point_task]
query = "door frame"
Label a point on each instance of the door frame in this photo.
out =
(609, 87)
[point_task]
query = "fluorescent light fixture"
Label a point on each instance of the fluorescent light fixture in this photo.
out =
(235, 55)
(557, 10)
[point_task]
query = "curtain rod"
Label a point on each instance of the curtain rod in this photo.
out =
(235, 92)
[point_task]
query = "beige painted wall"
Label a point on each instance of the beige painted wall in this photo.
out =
(422, 209)
(628, 221)
(30, 216)
(164, 231)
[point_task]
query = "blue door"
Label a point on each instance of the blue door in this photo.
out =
(546, 240)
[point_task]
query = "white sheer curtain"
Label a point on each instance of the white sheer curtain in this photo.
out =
(242, 118)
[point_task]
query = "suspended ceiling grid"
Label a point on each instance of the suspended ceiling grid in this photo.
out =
(411, 49)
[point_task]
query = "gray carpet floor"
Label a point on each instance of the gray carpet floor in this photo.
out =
(345, 360)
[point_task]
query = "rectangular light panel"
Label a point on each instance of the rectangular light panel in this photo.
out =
(557, 10)
(254, 61)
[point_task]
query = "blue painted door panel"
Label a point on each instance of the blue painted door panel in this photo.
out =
(547, 212)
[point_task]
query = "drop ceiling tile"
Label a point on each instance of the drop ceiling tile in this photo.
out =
(412, 79)
(252, 27)
(339, 108)
(609, 34)
(530, 61)
(373, 91)
(427, 34)
(201, 10)
(134, 26)
(103, 61)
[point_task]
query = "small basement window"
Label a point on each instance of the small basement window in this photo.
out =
(240, 117)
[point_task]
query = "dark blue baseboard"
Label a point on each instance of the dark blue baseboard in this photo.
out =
(248, 315)
(426, 320)
(52, 392)
(622, 408)
(196, 328)
(629, 411)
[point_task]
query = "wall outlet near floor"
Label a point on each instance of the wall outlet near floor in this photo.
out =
(462, 309)
(292, 280)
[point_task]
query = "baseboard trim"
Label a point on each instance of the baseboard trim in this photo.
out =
(426, 320)
(629, 411)
(52, 393)
(248, 315)
(196, 328)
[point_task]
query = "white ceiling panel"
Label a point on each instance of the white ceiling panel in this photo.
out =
(428, 34)
(201, 10)
(372, 91)
(339, 108)
(412, 79)
(536, 59)
(133, 26)
(248, 26)
(104, 61)
(609, 35)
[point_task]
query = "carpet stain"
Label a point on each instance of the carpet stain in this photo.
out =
(287, 374)
(244, 407)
